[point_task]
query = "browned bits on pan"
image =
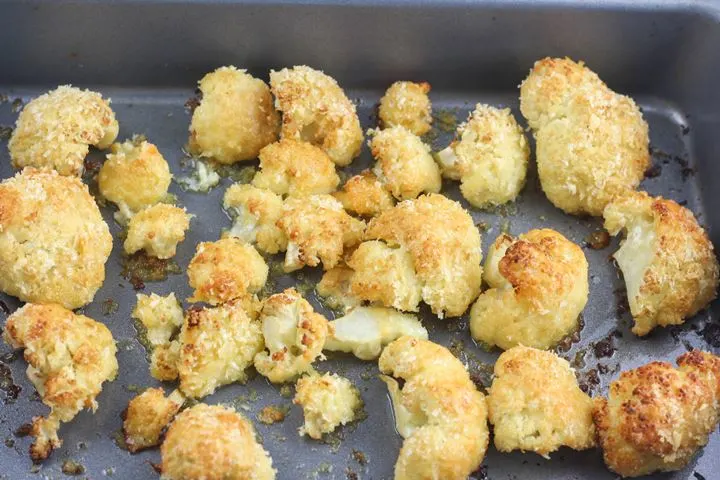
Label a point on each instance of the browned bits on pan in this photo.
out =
(598, 240)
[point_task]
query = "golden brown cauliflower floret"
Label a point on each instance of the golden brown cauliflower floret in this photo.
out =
(318, 231)
(69, 357)
(657, 417)
(591, 143)
(364, 195)
(667, 259)
(294, 336)
(327, 401)
(489, 157)
(147, 415)
(538, 287)
(217, 345)
(334, 288)
(406, 104)
(296, 169)
(53, 241)
(55, 130)
(210, 443)
(316, 110)
(225, 269)
(444, 245)
(255, 212)
(157, 230)
(135, 175)
(536, 405)
(161, 316)
(235, 118)
(438, 411)
(404, 163)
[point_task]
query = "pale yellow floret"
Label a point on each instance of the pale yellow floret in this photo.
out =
(161, 316)
(147, 415)
(407, 104)
(255, 213)
(365, 195)
(157, 229)
(327, 401)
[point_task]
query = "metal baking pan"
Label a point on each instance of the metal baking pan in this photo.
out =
(148, 55)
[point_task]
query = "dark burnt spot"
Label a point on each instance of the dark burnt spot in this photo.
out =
(7, 385)
(654, 171)
(92, 166)
(480, 473)
(5, 132)
(711, 334)
(23, 430)
(604, 348)
(598, 239)
(140, 267)
(589, 380)
(193, 102)
(602, 369)
(685, 129)
(566, 343)
(4, 308)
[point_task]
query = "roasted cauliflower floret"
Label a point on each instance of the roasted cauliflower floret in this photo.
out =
(536, 405)
(255, 213)
(327, 401)
(334, 288)
(147, 415)
(217, 345)
(657, 417)
(296, 169)
(438, 411)
(315, 110)
(135, 175)
(213, 442)
(364, 331)
(364, 195)
(235, 118)
(294, 336)
(164, 361)
(69, 357)
(55, 130)
(53, 241)
(224, 270)
(444, 245)
(318, 231)
(161, 316)
(591, 143)
(157, 230)
(406, 104)
(538, 288)
(667, 259)
(489, 157)
(404, 163)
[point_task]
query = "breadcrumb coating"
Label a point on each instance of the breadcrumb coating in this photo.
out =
(406, 104)
(591, 143)
(146, 417)
(667, 260)
(56, 129)
(404, 163)
(158, 230)
(235, 118)
(225, 269)
(327, 401)
(365, 195)
(161, 316)
(657, 417)
(334, 287)
(318, 231)
(217, 345)
(536, 405)
(294, 336)
(489, 157)
(164, 361)
(439, 411)
(538, 288)
(211, 443)
(69, 357)
(296, 169)
(256, 212)
(444, 244)
(316, 110)
(53, 241)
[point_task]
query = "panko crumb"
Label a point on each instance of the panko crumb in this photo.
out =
(538, 288)
(294, 336)
(489, 157)
(213, 442)
(56, 129)
(224, 270)
(271, 414)
(69, 357)
(296, 169)
(334, 289)
(255, 213)
(365, 195)
(53, 240)
(438, 411)
(147, 416)
(235, 118)
(667, 260)
(404, 164)
(158, 230)
(316, 110)
(161, 316)
(406, 104)
(164, 361)
(327, 401)
(536, 405)
(591, 143)
(657, 417)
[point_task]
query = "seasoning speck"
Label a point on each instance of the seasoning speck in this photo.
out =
(71, 467)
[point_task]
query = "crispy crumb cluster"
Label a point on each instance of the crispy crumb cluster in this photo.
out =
(158, 230)
(327, 401)
(365, 195)
(147, 415)
(406, 104)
